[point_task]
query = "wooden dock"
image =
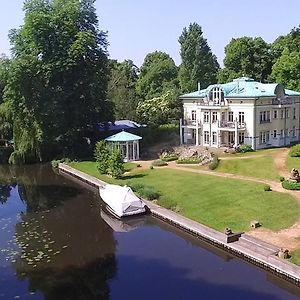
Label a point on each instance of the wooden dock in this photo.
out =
(248, 248)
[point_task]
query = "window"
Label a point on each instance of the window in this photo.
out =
(214, 117)
(216, 95)
(231, 137)
(275, 134)
(223, 116)
(287, 113)
(206, 137)
(265, 116)
(281, 133)
(294, 113)
(206, 117)
(214, 138)
(194, 134)
(193, 115)
(241, 117)
(230, 116)
(282, 114)
(264, 137)
(275, 114)
(241, 137)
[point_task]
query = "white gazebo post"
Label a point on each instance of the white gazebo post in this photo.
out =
(137, 150)
(133, 150)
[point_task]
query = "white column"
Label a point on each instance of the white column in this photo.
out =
(127, 151)
(197, 133)
(236, 133)
(133, 149)
(180, 132)
(137, 150)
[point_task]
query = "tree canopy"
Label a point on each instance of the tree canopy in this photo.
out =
(199, 64)
(246, 56)
(158, 73)
(121, 89)
(58, 77)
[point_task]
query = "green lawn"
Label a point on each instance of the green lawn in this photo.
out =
(213, 201)
(295, 257)
(293, 162)
(265, 152)
(260, 167)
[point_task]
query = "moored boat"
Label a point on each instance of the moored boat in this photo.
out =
(121, 200)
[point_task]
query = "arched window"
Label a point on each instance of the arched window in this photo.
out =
(216, 95)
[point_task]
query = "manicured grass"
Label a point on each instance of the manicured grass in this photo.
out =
(293, 162)
(260, 167)
(214, 201)
(261, 152)
(295, 257)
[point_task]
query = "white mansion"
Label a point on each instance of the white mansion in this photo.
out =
(241, 112)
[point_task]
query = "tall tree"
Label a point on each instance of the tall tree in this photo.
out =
(58, 80)
(199, 64)
(158, 73)
(246, 56)
(286, 68)
(121, 89)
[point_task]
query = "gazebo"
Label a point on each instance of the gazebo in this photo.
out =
(127, 143)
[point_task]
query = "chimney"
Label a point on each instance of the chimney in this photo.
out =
(199, 86)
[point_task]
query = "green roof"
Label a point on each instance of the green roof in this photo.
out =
(243, 87)
(123, 136)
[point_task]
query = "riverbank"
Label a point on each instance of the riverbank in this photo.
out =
(249, 248)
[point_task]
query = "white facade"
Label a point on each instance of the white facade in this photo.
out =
(240, 113)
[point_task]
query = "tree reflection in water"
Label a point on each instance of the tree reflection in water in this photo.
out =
(67, 251)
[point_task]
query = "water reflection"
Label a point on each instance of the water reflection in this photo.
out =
(62, 246)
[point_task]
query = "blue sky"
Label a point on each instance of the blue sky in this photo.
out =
(137, 27)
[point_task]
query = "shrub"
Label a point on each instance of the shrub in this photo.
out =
(290, 185)
(115, 164)
(144, 191)
(151, 168)
(159, 163)
(244, 148)
(102, 155)
(281, 178)
(55, 163)
(295, 151)
(168, 156)
(215, 163)
(267, 188)
(190, 160)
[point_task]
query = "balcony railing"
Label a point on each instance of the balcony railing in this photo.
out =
(211, 103)
(284, 101)
(190, 122)
(229, 125)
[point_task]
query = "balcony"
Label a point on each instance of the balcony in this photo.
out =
(231, 125)
(283, 101)
(190, 122)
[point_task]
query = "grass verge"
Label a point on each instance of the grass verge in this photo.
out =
(214, 201)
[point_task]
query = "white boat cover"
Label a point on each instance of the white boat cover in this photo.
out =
(122, 200)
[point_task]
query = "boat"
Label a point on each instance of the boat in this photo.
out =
(121, 200)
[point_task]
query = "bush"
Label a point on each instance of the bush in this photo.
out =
(144, 191)
(290, 185)
(215, 163)
(281, 178)
(159, 163)
(244, 148)
(102, 155)
(190, 160)
(295, 151)
(115, 164)
(151, 168)
(267, 188)
(55, 163)
(168, 156)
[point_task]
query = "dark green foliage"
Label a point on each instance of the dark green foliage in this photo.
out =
(168, 156)
(198, 62)
(244, 148)
(144, 191)
(295, 151)
(281, 178)
(246, 56)
(57, 83)
(115, 164)
(121, 89)
(215, 163)
(102, 157)
(159, 163)
(158, 74)
(55, 163)
(189, 160)
(267, 188)
(290, 185)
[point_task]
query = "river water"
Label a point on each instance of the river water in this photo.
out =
(58, 243)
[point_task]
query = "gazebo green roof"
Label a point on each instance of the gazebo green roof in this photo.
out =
(123, 136)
